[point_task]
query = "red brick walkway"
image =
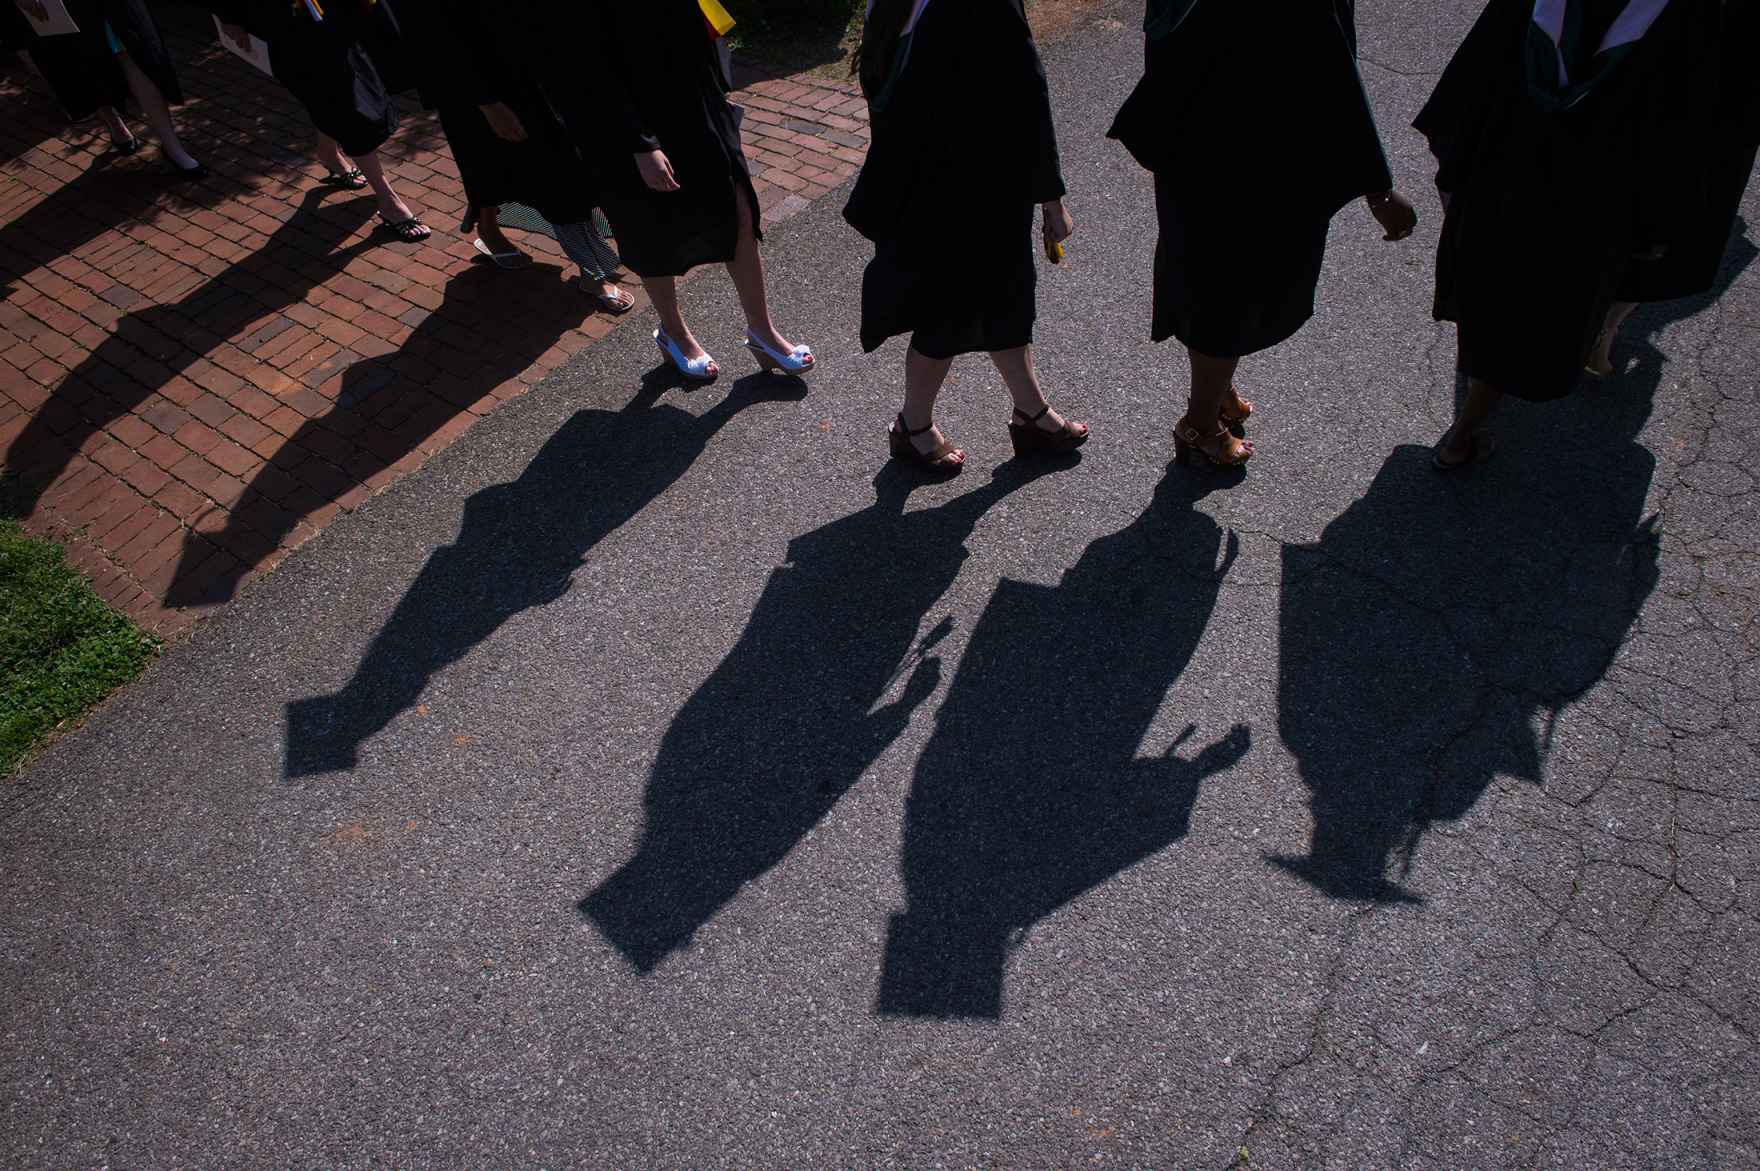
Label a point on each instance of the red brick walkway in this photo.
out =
(194, 379)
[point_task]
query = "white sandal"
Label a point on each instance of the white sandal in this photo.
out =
(701, 369)
(514, 259)
(797, 362)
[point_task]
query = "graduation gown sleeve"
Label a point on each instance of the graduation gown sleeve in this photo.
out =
(974, 85)
(962, 150)
(446, 53)
(1250, 113)
(1546, 204)
(1691, 264)
(80, 67)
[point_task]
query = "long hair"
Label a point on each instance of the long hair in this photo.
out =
(872, 60)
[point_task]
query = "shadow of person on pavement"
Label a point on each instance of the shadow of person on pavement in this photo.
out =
(113, 193)
(1039, 783)
(1433, 634)
(377, 418)
(153, 344)
(518, 547)
(825, 676)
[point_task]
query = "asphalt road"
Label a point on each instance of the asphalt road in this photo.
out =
(665, 780)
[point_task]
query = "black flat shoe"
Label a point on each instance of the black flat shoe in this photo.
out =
(126, 148)
(194, 174)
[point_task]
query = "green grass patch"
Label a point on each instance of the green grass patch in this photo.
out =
(798, 34)
(61, 648)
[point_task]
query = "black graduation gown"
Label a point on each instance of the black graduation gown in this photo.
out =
(1690, 266)
(464, 56)
(1544, 209)
(80, 67)
(962, 151)
(651, 75)
(342, 69)
(1253, 118)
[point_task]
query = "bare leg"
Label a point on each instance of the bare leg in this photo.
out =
(923, 377)
(113, 121)
(1212, 379)
(489, 230)
(331, 155)
(663, 292)
(1016, 368)
(390, 206)
(1481, 397)
(747, 270)
(1617, 314)
(1598, 362)
(157, 112)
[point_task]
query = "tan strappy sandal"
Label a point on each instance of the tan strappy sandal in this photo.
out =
(943, 457)
(1031, 439)
(1222, 449)
(1235, 410)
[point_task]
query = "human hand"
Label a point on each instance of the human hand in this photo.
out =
(1654, 252)
(1058, 222)
(241, 36)
(1394, 212)
(504, 122)
(656, 170)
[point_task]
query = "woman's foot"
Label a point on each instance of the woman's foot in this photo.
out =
(182, 159)
(331, 157)
(608, 294)
(923, 446)
(798, 360)
(493, 238)
(1235, 410)
(684, 342)
(349, 180)
(191, 170)
(772, 337)
(697, 367)
(1220, 447)
(1462, 447)
(1599, 363)
(411, 230)
(121, 137)
(394, 210)
(1044, 432)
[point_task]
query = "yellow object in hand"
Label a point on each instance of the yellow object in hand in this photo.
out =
(718, 17)
(1053, 252)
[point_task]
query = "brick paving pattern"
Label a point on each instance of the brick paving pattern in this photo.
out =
(196, 378)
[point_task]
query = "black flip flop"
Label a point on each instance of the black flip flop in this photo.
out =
(345, 180)
(1482, 448)
(410, 231)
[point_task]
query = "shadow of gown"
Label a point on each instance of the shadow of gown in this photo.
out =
(517, 547)
(793, 716)
(1434, 632)
(1037, 784)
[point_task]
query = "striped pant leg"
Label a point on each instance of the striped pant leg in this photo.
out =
(583, 244)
